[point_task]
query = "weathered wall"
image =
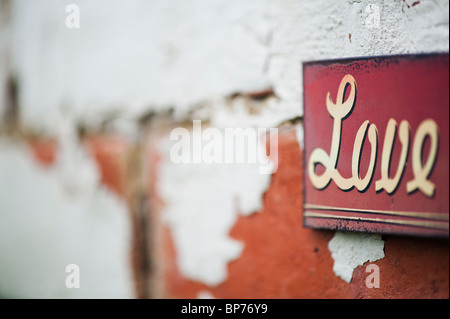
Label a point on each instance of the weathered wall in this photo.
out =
(281, 259)
(138, 69)
(138, 56)
(5, 45)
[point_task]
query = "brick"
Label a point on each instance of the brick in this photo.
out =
(282, 259)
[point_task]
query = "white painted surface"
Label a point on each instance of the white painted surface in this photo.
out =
(204, 294)
(299, 133)
(5, 46)
(350, 250)
(203, 202)
(132, 56)
(56, 216)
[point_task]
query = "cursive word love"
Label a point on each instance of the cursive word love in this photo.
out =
(339, 111)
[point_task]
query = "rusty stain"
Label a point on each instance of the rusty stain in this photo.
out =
(350, 37)
(261, 95)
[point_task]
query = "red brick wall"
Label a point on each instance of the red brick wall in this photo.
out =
(281, 258)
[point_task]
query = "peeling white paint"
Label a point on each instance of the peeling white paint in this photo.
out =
(350, 250)
(204, 294)
(299, 132)
(56, 216)
(203, 202)
(5, 48)
(135, 56)
(223, 113)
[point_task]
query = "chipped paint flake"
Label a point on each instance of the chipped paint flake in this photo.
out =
(257, 44)
(204, 294)
(203, 202)
(299, 132)
(350, 250)
(55, 216)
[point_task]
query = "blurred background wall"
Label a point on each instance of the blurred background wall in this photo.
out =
(89, 95)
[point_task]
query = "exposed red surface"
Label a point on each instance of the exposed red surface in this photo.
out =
(282, 259)
(44, 151)
(110, 154)
(413, 268)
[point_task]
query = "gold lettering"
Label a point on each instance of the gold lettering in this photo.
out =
(338, 111)
(421, 172)
(386, 183)
(341, 109)
(362, 184)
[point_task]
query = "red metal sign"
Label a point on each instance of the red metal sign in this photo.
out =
(377, 144)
